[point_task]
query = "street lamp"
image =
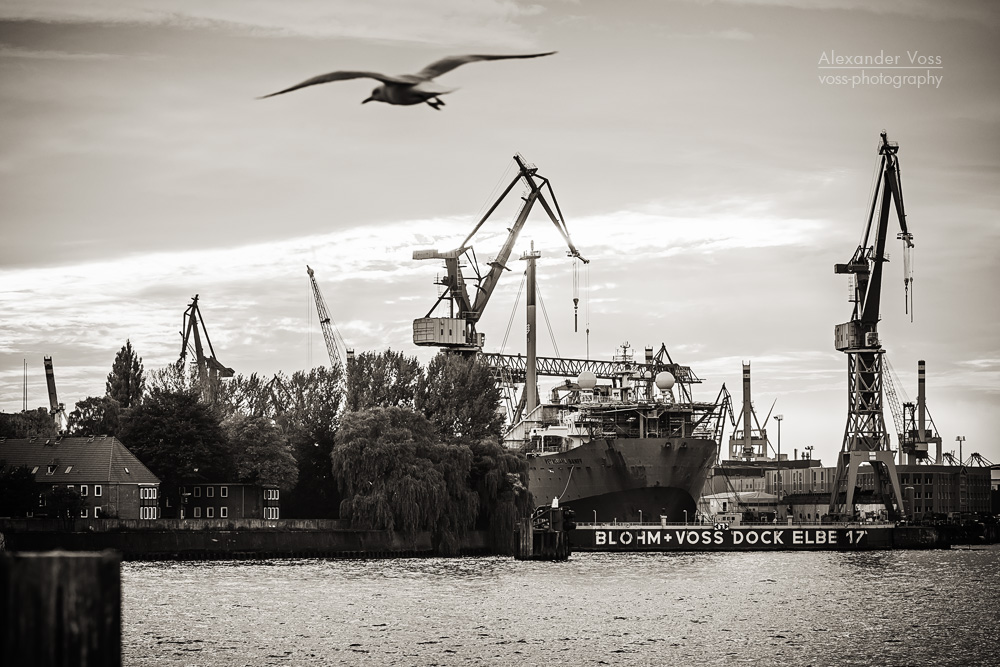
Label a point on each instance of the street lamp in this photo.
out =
(960, 439)
(595, 517)
(778, 419)
(640, 517)
(685, 517)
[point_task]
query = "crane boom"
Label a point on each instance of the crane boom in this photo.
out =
(210, 369)
(458, 331)
(56, 409)
(331, 335)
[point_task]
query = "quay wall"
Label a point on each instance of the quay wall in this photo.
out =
(205, 542)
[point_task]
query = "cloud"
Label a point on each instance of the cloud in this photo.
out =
(7, 51)
(969, 11)
(491, 22)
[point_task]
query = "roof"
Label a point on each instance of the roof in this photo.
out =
(98, 459)
(744, 496)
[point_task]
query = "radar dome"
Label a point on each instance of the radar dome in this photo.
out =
(587, 381)
(664, 381)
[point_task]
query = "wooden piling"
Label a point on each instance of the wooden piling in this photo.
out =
(60, 609)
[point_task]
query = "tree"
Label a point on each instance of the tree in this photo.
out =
(246, 395)
(382, 380)
(18, 491)
(261, 453)
(310, 416)
(460, 397)
(95, 415)
(127, 381)
(173, 377)
(31, 424)
(499, 475)
(177, 436)
(395, 475)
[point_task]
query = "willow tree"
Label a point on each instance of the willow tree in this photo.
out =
(382, 380)
(498, 475)
(395, 474)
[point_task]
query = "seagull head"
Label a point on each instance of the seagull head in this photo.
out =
(378, 95)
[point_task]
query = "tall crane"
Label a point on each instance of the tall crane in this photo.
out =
(210, 370)
(56, 409)
(458, 330)
(865, 437)
(331, 334)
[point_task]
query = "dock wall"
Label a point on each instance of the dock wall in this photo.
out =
(166, 540)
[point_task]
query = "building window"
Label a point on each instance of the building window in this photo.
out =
(97, 489)
(210, 492)
(210, 512)
(83, 490)
(83, 513)
(97, 512)
(69, 469)
(34, 470)
(224, 491)
(197, 492)
(270, 494)
(223, 511)
(147, 492)
(147, 512)
(49, 470)
(197, 512)
(270, 512)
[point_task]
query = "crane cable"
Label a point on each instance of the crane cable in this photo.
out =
(513, 312)
(545, 316)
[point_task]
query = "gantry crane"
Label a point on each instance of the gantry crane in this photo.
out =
(865, 437)
(56, 409)
(458, 330)
(331, 334)
(210, 369)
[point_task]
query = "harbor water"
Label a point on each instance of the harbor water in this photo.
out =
(790, 608)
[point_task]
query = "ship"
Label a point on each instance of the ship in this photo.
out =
(629, 446)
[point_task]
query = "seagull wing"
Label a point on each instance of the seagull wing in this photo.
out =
(451, 62)
(343, 75)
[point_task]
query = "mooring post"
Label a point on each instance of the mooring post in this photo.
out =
(60, 609)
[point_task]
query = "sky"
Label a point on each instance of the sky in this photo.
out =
(705, 164)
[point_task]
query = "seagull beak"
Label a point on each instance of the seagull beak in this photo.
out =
(370, 99)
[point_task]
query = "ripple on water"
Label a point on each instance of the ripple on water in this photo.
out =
(794, 608)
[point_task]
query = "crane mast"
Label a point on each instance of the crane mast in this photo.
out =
(458, 330)
(331, 335)
(865, 437)
(210, 370)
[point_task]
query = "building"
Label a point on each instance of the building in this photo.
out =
(927, 490)
(199, 499)
(110, 480)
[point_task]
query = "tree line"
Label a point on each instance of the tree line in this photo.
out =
(384, 443)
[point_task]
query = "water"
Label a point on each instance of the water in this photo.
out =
(791, 608)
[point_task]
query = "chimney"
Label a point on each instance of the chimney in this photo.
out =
(921, 407)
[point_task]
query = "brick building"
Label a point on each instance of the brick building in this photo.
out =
(111, 481)
(223, 500)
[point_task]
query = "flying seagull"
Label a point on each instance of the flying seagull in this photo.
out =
(406, 88)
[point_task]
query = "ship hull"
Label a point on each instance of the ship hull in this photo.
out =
(625, 479)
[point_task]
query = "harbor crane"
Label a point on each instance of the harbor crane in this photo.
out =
(458, 331)
(210, 370)
(334, 341)
(865, 436)
(56, 409)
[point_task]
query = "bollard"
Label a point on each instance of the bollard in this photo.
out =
(60, 609)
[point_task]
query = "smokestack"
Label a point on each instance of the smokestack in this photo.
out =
(921, 407)
(747, 407)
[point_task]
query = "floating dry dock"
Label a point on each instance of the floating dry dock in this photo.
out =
(764, 537)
